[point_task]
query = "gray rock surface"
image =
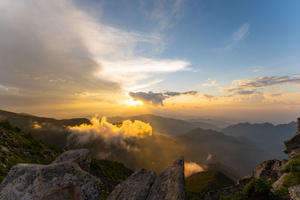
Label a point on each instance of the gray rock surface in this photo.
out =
(170, 183)
(294, 142)
(136, 187)
(295, 192)
(278, 184)
(63, 181)
(270, 170)
(82, 157)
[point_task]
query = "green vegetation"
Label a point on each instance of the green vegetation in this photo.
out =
(293, 170)
(293, 166)
(19, 147)
(199, 184)
(259, 189)
(269, 164)
(111, 174)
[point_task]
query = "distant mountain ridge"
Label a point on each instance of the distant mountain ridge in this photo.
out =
(266, 135)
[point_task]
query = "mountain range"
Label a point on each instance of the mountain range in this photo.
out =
(238, 147)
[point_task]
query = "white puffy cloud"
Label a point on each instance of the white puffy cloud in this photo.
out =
(109, 133)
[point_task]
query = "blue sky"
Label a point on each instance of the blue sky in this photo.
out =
(179, 58)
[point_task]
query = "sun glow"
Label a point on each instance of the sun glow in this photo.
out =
(132, 102)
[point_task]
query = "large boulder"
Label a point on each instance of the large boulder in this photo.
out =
(60, 180)
(170, 184)
(82, 157)
(136, 187)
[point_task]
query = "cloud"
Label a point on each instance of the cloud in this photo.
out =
(267, 81)
(139, 69)
(209, 157)
(8, 90)
(212, 83)
(274, 94)
(109, 133)
(54, 49)
(165, 13)
(157, 99)
(150, 97)
(172, 94)
(191, 168)
(256, 85)
(240, 91)
(209, 97)
(236, 37)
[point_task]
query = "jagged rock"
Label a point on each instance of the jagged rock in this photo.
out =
(295, 192)
(136, 187)
(63, 181)
(293, 144)
(271, 169)
(216, 194)
(82, 157)
(170, 183)
(142, 185)
(278, 184)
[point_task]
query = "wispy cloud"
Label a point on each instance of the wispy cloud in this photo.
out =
(130, 72)
(53, 48)
(274, 94)
(156, 99)
(256, 85)
(166, 13)
(209, 97)
(236, 37)
(173, 94)
(212, 83)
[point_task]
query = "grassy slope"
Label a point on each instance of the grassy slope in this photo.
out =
(200, 183)
(17, 146)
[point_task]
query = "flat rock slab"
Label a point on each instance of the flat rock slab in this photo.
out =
(58, 181)
(136, 187)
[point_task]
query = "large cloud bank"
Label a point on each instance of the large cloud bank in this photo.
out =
(110, 133)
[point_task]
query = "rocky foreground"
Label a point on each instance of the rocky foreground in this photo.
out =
(271, 170)
(68, 178)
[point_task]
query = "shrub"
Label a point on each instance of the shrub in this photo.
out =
(291, 179)
(259, 189)
(269, 164)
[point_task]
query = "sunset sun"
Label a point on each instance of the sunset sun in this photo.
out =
(133, 102)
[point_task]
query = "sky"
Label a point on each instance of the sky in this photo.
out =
(229, 60)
